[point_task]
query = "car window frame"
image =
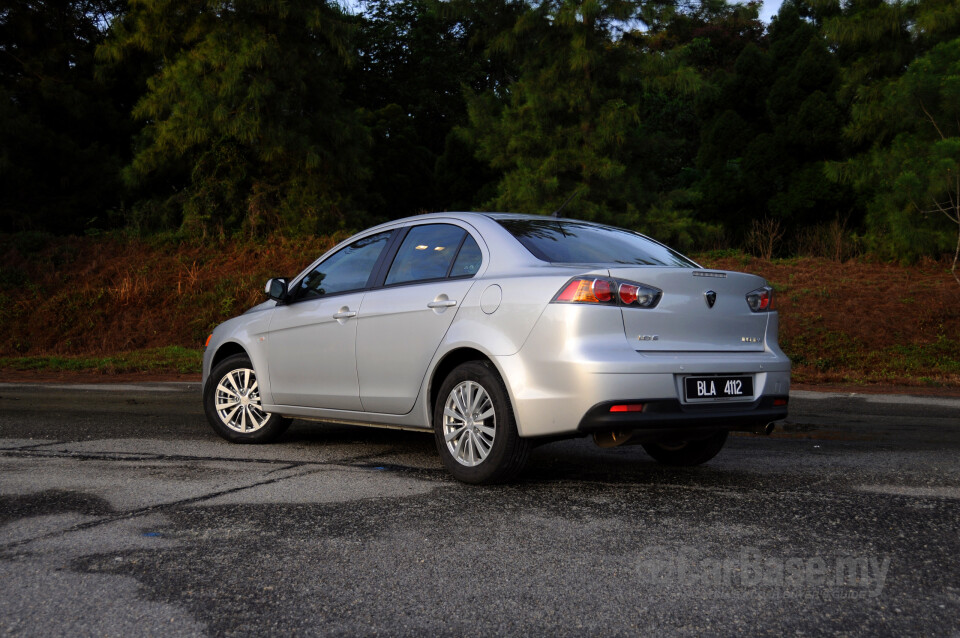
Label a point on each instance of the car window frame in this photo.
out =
(387, 264)
(377, 266)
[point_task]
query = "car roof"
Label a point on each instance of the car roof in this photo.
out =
(467, 215)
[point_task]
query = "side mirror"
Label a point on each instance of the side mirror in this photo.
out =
(276, 288)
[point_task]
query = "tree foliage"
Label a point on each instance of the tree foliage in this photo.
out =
(905, 125)
(244, 119)
(913, 165)
(692, 121)
(773, 122)
(562, 131)
(416, 59)
(62, 133)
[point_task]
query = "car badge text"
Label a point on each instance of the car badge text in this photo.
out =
(649, 337)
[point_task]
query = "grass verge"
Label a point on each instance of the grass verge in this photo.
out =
(169, 359)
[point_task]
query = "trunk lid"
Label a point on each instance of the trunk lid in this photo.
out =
(683, 321)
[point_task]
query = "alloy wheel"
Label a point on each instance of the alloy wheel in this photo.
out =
(238, 401)
(469, 423)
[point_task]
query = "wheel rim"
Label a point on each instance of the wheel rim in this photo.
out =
(238, 401)
(469, 423)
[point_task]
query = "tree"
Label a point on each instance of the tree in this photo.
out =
(244, 120)
(776, 120)
(877, 39)
(416, 57)
(899, 79)
(561, 132)
(913, 165)
(62, 137)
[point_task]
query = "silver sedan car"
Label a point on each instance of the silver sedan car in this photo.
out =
(497, 332)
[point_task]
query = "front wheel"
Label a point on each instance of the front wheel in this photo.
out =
(687, 453)
(231, 400)
(474, 426)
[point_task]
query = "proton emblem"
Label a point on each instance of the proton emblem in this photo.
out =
(711, 298)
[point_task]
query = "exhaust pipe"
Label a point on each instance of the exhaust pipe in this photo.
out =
(764, 429)
(612, 439)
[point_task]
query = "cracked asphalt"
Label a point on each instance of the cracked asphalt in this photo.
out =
(121, 513)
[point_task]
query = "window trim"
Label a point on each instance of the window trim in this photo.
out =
(456, 254)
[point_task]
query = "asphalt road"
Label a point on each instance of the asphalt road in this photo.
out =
(121, 513)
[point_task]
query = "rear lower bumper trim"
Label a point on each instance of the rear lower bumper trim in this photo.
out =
(670, 413)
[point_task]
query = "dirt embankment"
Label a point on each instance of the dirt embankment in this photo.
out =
(857, 322)
(864, 322)
(100, 296)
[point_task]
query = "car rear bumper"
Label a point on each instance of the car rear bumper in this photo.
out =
(572, 399)
(562, 397)
(578, 358)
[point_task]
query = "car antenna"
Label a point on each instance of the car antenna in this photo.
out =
(556, 213)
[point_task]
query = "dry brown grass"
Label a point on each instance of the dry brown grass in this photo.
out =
(850, 322)
(83, 296)
(862, 321)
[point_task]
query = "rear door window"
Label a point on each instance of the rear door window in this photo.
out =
(427, 253)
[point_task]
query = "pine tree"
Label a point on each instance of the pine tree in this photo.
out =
(416, 57)
(777, 121)
(244, 119)
(913, 165)
(62, 137)
(561, 133)
(901, 76)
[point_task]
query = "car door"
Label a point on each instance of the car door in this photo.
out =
(311, 356)
(401, 324)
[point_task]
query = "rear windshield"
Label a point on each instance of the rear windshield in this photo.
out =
(571, 242)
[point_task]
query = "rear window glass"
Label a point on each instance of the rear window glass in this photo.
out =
(572, 242)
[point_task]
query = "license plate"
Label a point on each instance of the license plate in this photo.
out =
(718, 387)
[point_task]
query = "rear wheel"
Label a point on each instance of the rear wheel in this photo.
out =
(231, 400)
(474, 426)
(687, 453)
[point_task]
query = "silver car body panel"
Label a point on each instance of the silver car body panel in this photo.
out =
(398, 333)
(557, 360)
(311, 353)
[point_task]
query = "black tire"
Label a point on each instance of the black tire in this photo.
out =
(506, 455)
(247, 423)
(687, 453)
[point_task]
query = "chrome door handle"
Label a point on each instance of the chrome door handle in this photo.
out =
(442, 304)
(345, 314)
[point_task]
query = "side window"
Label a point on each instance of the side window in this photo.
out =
(426, 253)
(468, 259)
(347, 269)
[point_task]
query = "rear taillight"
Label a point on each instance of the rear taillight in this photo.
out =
(761, 299)
(587, 291)
(639, 295)
(607, 291)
